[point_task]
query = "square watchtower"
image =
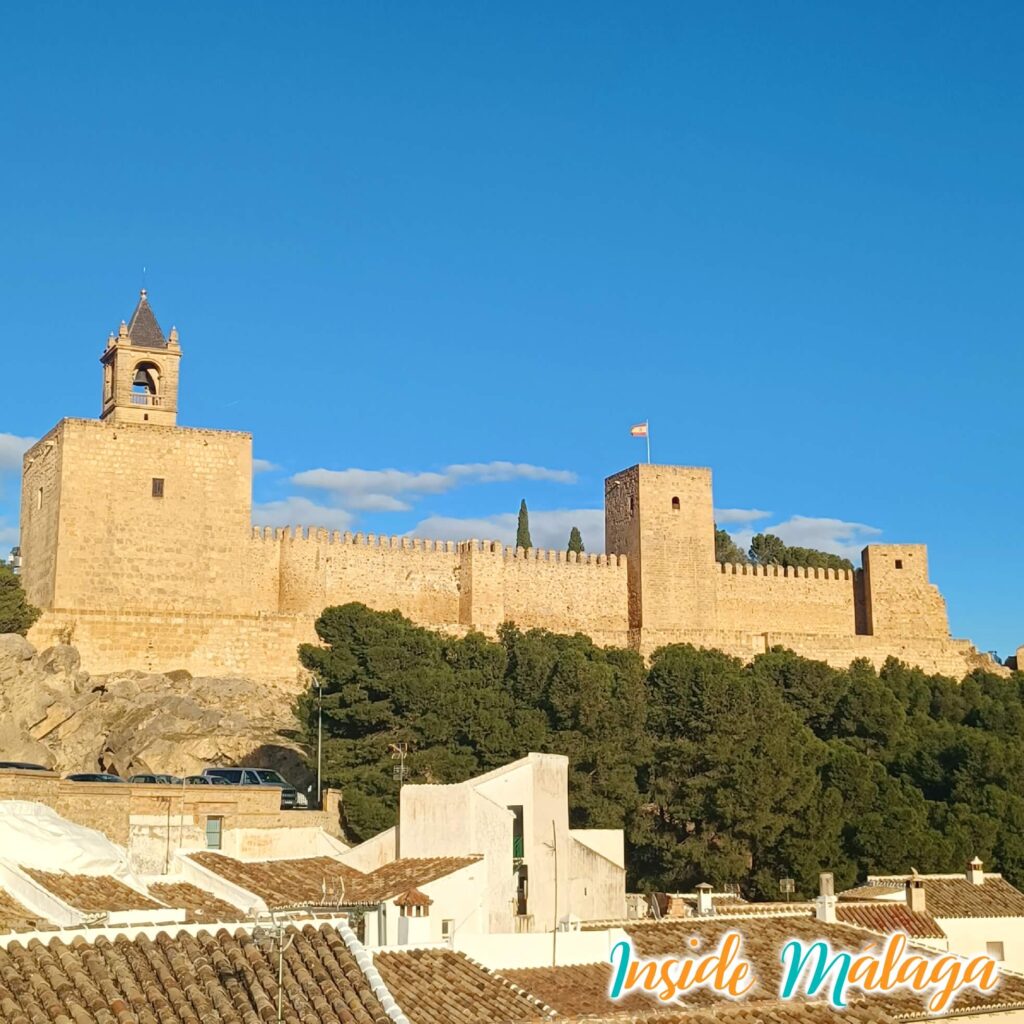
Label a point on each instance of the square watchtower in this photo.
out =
(661, 518)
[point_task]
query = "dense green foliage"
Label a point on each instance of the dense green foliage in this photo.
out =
(718, 771)
(523, 527)
(576, 541)
(767, 549)
(16, 614)
(727, 550)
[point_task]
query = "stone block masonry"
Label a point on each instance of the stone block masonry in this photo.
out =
(137, 544)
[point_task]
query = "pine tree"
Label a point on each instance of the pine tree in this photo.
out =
(16, 614)
(523, 532)
(576, 541)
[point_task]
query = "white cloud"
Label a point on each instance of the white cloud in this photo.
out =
(739, 515)
(836, 535)
(264, 466)
(296, 511)
(395, 490)
(12, 448)
(548, 529)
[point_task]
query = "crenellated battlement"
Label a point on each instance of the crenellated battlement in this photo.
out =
(321, 535)
(509, 553)
(799, 572)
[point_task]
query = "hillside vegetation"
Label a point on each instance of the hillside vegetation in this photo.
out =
(718, 771)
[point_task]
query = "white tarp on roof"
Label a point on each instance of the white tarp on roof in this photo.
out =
(36, 836)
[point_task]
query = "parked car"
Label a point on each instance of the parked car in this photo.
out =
(256, 777)
(25, 766)
(153, 779)
(202, 780)
(93, 777)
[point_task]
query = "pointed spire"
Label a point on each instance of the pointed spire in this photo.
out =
(143, 330)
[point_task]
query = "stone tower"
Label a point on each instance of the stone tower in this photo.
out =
(140, 371)
(661, 518)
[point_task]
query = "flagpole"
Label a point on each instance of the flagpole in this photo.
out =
(648, 442)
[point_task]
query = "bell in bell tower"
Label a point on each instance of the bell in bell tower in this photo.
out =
(140, 371)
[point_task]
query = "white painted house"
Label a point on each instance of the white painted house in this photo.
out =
(536, 872)
(979, 911)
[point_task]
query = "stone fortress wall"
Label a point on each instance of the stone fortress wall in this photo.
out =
(137, 544)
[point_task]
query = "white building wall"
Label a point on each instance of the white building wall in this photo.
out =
(970, 936)
(511, 952)
(597, 888)
(457, 821)
(374, 853)
(540, 783)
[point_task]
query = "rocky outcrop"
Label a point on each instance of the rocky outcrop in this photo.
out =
(54, 713)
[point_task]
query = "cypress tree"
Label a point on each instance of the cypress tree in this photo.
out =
(523, 532)
(576, 540)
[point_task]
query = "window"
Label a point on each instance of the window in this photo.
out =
(899, 563)
(447, 929)
(994, 950)
(631, 504)
(158, 487)
(214, 829)
(675, 504)
(39, 498)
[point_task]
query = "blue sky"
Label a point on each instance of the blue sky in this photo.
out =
(439, 257)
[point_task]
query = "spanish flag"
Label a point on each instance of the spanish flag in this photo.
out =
(638, 429)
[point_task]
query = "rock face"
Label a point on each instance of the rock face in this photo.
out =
(54, 713)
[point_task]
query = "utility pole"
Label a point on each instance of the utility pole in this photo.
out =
(554, 934)
(319, 742)
(277, 942)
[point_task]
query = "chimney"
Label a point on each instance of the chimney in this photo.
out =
(705, 907)
(413, 918)
(974, 873)
(915, 895)
(825, 904)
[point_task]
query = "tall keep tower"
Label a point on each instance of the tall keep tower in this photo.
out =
(140, 371)
(661, 518)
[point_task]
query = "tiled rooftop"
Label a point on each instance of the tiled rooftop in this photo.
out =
(763, 938)
(581, 989)
(282, 883)
(15, 918)
(888, 917)
(202, 907)
(437, 986)
(92, 893)
(217, 979)
(954, 895)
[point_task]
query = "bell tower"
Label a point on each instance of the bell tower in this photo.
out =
(140, 371)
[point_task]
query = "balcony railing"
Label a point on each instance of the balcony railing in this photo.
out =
(144, 398)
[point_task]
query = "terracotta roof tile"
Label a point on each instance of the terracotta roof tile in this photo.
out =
(217, 979)
(92, 893)
(955, 896)
(581, 989)
(438, 986)
(202, 907)
(886, 917)
(15, 918)
(282, 883)
(403, 874)
(413, 898)
(763, 938)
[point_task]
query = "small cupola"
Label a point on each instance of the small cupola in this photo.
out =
(413, 917)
